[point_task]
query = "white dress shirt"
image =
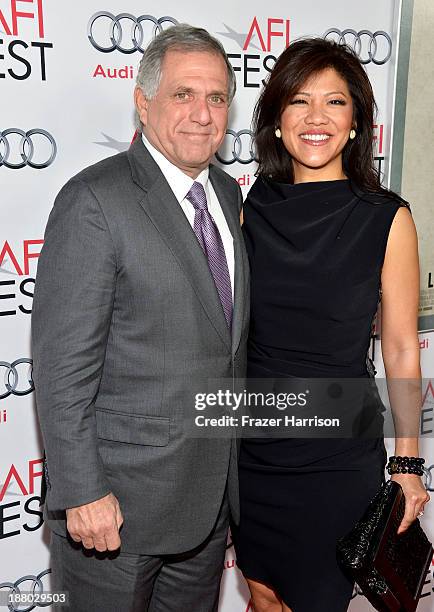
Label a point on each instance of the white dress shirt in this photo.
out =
(180, 183)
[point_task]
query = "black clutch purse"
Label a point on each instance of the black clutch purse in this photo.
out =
(390, 569)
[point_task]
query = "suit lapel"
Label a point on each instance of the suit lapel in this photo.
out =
(167, 216)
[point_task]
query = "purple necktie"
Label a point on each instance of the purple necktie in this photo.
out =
(210, 240)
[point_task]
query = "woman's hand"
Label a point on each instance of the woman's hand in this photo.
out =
(415, 497)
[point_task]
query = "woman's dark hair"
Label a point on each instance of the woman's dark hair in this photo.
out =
(300, 61)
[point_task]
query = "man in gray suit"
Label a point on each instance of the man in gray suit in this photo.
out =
(141, 299)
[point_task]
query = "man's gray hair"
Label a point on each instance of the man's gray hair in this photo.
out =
(181, 37)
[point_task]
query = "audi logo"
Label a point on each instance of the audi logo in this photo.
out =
(115, 32)
(428, 478)
(241, 149)
(17, 379)
(373, 47)
(38, 152)
(28, 584)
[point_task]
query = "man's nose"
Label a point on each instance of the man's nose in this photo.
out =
(200, 111)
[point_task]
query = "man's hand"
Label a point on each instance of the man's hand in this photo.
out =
(96, 524)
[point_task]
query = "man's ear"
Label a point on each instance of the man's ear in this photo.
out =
(141, 103)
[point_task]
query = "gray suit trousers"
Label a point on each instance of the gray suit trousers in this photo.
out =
(126, 582)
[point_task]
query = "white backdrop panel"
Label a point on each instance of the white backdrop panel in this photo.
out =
(55, 79)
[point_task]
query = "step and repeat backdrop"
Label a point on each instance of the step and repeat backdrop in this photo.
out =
(67, 74)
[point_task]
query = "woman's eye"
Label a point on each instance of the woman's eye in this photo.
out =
(337, 102)
(298, 101)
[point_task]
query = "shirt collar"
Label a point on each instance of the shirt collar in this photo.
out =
(179, 182)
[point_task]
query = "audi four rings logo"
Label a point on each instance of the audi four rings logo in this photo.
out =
(428, 478)
(28, 584)
(241, 148)
(373, 47)
(17, 379)
(35, 148)
(100, 36)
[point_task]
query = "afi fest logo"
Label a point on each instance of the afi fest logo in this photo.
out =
(23, 46)
(17, 276)
(19, 498)
(260, 43)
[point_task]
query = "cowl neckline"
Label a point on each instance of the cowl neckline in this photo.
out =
(267, 192)
(307, 216)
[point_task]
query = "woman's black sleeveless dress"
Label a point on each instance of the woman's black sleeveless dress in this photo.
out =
(316, 251)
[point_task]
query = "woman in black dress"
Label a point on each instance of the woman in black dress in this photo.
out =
(325, 243)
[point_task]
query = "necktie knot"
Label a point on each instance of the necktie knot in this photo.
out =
(197, 196)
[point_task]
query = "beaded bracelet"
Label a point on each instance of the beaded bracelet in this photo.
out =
(405, 465)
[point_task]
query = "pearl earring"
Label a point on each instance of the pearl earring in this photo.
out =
(278, 133)
(352, 134)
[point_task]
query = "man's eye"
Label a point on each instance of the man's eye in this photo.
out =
(181, 95)
(217, 99)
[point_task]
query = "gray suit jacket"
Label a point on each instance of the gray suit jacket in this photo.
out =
(127, 325)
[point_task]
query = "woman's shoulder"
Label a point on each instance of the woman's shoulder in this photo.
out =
(259, 192)
(381, 198)
(260, 185)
